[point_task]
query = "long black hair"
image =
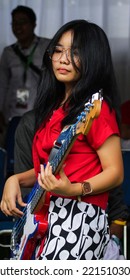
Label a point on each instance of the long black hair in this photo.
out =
(96, 73)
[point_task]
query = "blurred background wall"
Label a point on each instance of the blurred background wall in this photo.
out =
(112, 15)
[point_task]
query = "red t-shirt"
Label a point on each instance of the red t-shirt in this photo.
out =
(82, 161)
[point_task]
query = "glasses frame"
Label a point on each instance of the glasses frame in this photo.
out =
(62, 51)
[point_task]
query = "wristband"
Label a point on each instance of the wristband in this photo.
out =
(119, 222)
(85, 188)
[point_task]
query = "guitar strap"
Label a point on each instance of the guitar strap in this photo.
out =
(66, 129)
(59, 142)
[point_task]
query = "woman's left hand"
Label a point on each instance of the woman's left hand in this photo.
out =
(49, 182)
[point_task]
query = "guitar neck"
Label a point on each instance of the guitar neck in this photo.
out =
(56, 164)
(64, 150)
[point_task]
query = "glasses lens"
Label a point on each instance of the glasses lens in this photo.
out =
(56, 53)
(75, 54)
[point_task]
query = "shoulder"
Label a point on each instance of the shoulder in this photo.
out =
(107, 116)
(44, 39)
(7, 49)
(106, 112)
(29, 117)
(27, 121)
(44, 42)
(103, 126)
(105, 107)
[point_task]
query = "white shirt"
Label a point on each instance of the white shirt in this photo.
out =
(11, 78)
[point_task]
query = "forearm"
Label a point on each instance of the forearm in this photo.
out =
(12, 192)
(26, 179)
(112, 172)
(106, 180)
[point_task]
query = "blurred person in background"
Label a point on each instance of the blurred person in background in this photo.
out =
(20, 68)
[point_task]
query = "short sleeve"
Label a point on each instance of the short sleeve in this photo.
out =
(103, 127)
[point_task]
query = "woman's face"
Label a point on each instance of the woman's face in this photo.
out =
(61, 61)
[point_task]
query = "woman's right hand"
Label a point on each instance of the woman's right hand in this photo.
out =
(11, 195)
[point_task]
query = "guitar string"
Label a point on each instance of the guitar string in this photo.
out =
(20, 221)
(19, 225)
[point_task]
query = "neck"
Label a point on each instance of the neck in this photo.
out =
(67, 92)
(27, 43)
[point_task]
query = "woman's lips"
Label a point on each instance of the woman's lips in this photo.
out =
(63, 71)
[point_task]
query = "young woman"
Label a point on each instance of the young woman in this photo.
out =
(77, 64)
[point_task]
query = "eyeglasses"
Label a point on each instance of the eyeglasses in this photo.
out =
(56, 53)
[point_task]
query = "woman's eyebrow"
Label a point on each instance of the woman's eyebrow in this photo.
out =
(60, 45)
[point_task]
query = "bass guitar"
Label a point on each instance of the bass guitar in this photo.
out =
(31, 228)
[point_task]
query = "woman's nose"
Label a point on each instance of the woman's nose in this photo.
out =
(64, 57)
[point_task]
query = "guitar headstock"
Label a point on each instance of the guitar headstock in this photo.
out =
(91, 111)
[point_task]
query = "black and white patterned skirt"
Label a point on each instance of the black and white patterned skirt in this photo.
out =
(77, 231)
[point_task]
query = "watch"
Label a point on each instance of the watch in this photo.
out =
(86, 188)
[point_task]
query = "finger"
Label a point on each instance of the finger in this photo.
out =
(40, 181)
(47, 169)
(48, 172)
(5, 209)
(42, 169)
(62, 173)
(42, 172)
(10, 206)
(17, 213)
(20, 201)
(47, 177)
(6, 212)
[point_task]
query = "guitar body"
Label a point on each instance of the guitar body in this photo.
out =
(31, 229)
(34, 230)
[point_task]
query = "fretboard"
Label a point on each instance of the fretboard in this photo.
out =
(56, 164)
